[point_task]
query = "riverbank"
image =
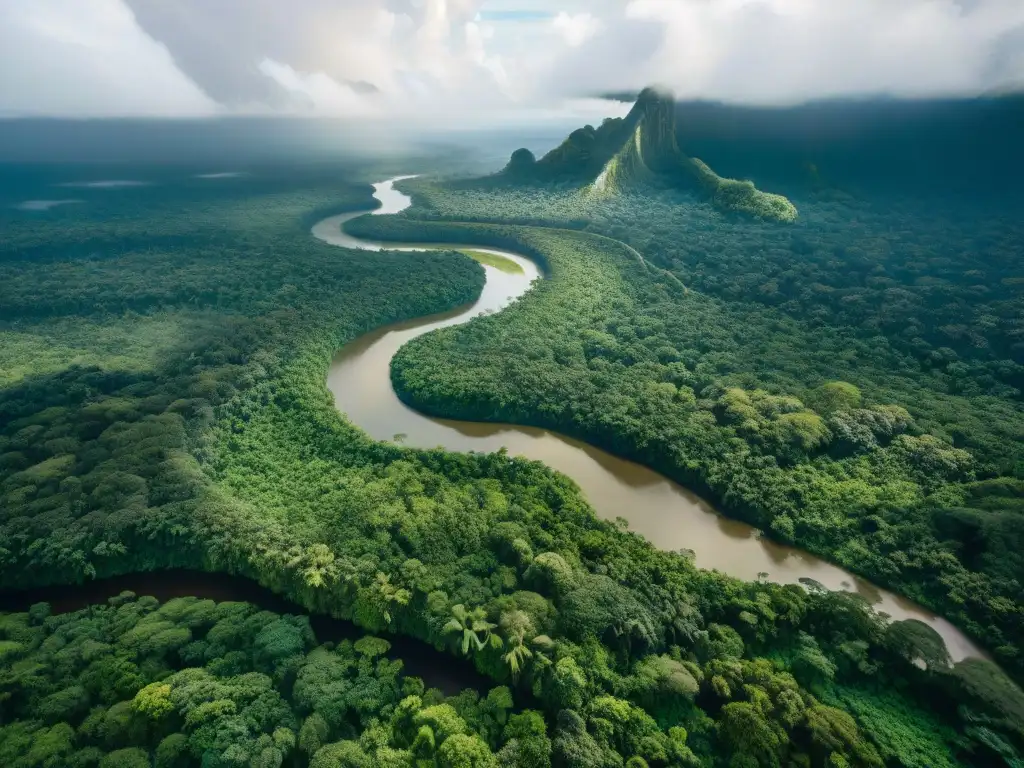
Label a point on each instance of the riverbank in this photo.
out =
(664, 512)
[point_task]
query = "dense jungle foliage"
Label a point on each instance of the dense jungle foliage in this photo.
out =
(898, 458)
(195, 682)
(163, 357)
(192, 682)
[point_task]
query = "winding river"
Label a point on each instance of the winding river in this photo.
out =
(665, 513)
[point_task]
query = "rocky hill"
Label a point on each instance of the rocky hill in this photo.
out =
(625, 153)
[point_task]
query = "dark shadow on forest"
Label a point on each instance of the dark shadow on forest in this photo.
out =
(437, 668)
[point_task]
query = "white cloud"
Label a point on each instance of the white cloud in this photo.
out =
(477, 35)
(316, 93)
(454, 59)
(789, 50)
(421, 56)
(72, 58)
(577, 28)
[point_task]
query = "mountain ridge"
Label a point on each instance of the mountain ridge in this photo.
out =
(627, 152)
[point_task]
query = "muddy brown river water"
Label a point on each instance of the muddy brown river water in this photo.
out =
(665, 513)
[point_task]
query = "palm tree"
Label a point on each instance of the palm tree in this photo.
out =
(317, 564)
(517, 654)
(390, 593)
(470, 624)
(516, 625)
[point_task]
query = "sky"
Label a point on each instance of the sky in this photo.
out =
(475, 61)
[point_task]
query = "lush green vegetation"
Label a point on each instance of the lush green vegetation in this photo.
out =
(494, 260)
(633, 152)
(106, 446)
(211, 442)
(615, 351)
(134, 684)
(741, 196)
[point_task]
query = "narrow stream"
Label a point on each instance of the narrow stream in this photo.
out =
(665, 513)
(436, 668)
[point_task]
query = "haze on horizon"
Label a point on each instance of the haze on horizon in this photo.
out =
(482, 61)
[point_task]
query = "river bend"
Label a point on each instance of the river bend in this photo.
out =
(665, 513)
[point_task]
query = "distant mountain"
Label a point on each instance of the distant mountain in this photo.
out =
(627, 152)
